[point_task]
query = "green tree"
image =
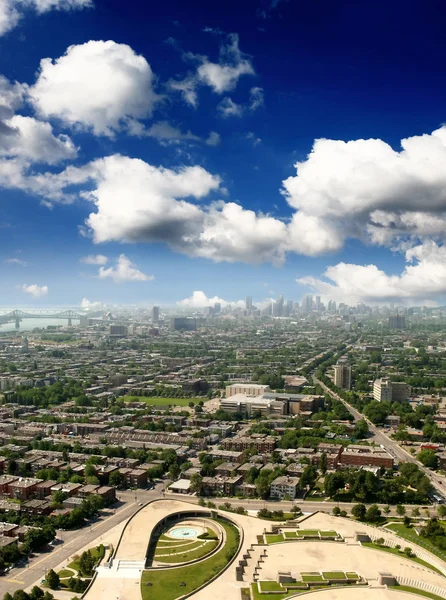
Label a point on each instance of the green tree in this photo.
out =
(387, 509)
(52, 579)
(196, 482)
(7, 596)
(373, 514)
(361, 429)
(20, 595)
(116, 479)
(323, 463)
(428, 458)
(308, 477)
(400, 510)
(359, 511)
(336, 511)
(36, 593)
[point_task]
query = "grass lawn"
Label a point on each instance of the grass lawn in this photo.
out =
(310, 578)
(352, 576)
(259, 596)
(328, 534)
(65, 574)
(270, 586)
(412, 590)
(401, 555)
(334, 575)
(409, 534)
(274, 538)
(168, 549)
(187, 555)
(290, 535)
(166, 582)
(308, 532)
(157, 401)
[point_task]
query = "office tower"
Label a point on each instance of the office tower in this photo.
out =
(343, 375)
(248, 302)
(155, 314)
(289, 308)
(183, 324)
(217, 308)
(278, 307)
(307, 304)
(318, 304)
(397, 322)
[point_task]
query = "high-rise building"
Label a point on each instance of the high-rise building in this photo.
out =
(307, 304)
(343, 375)
(385, 390)
(278, 307)
(155, 314)
(183, 323)
(289, 308)
(318, 304)
(217, 308)
(248, 302)
(397, 322)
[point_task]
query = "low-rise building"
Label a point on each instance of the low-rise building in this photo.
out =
(284, 485)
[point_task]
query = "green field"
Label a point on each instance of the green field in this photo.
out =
(334, 575)
(412, 590)
(157, 401)
(166, 584)
(187, 554)
(401, 555)
(274, 538)
(409, 534)
(312, 578)
(270, 586)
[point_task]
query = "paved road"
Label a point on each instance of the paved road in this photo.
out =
(391, 445)
(73, 541)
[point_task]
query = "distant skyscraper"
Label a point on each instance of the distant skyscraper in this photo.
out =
(155, 314)
(278, 307)
(318, 304)
(248, 302)
(217, 307)
(397, 322)
(307, 304)
(289, 308)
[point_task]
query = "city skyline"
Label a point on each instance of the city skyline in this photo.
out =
(197, 154)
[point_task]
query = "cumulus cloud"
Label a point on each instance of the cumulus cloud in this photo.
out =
(11, 11)
(365, 189)
(200, 300)
(33, 140)
(221, 76)
(15, 261)
(87, 305)
(38, 291)
(95, 259)
(124, 270)
(99, 85)
(423, 278)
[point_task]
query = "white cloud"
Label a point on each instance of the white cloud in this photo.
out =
(33, 140)
(423, 278)
(221, 76)
(12, 96)
(35, 290)
(257, 98)
(228, 108)
(124, 270)
(15, 261)
(99, 85)
(95, 259)
(200, 300)
(252, 137)
(87, 305)
(11, 11)
(167, 134)
(365, 189)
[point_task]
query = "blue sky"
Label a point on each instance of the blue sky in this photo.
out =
(161, 140)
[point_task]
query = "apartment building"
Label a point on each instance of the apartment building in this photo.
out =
(221, 485)
(365, 456)
(343, 375)
(262, 443)
(284, 486)
(385, 390)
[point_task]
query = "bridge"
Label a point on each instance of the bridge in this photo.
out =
(15, 316)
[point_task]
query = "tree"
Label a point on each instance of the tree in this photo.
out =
(196, 482)
(408, 551)
(387, 509)
(415, 512)
(116, 479)
(20, 595)
(201, 502)
(7, 596)
(361, 429)
(90, 471)
(373, 513)
(336, 511)
(36, 593)
(308, 477)
(441, 510)
(52, 579)
(48, 596)
(400, 510)
(359, 511)
(407, 521)
(343, 513)
(428, 458)
(323, 463)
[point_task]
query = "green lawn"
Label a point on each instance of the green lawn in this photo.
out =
(401, 555)
(352, 576)
(328, 534)
(274, 538)
(157, 401)
(259, 596)
(308, 532)
(290, 535)
(165, 583)
(65, 574)
(169, 549)
(334, 575)
(311, 578)
(409, 534)
(270, 586)
(187, 555)
(412, 590)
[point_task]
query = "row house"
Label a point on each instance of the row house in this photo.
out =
(365, 456)
(224, 486)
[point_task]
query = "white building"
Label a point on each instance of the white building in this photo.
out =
(252, 405)
(284, 486)
(385, 390)
(250, 389)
